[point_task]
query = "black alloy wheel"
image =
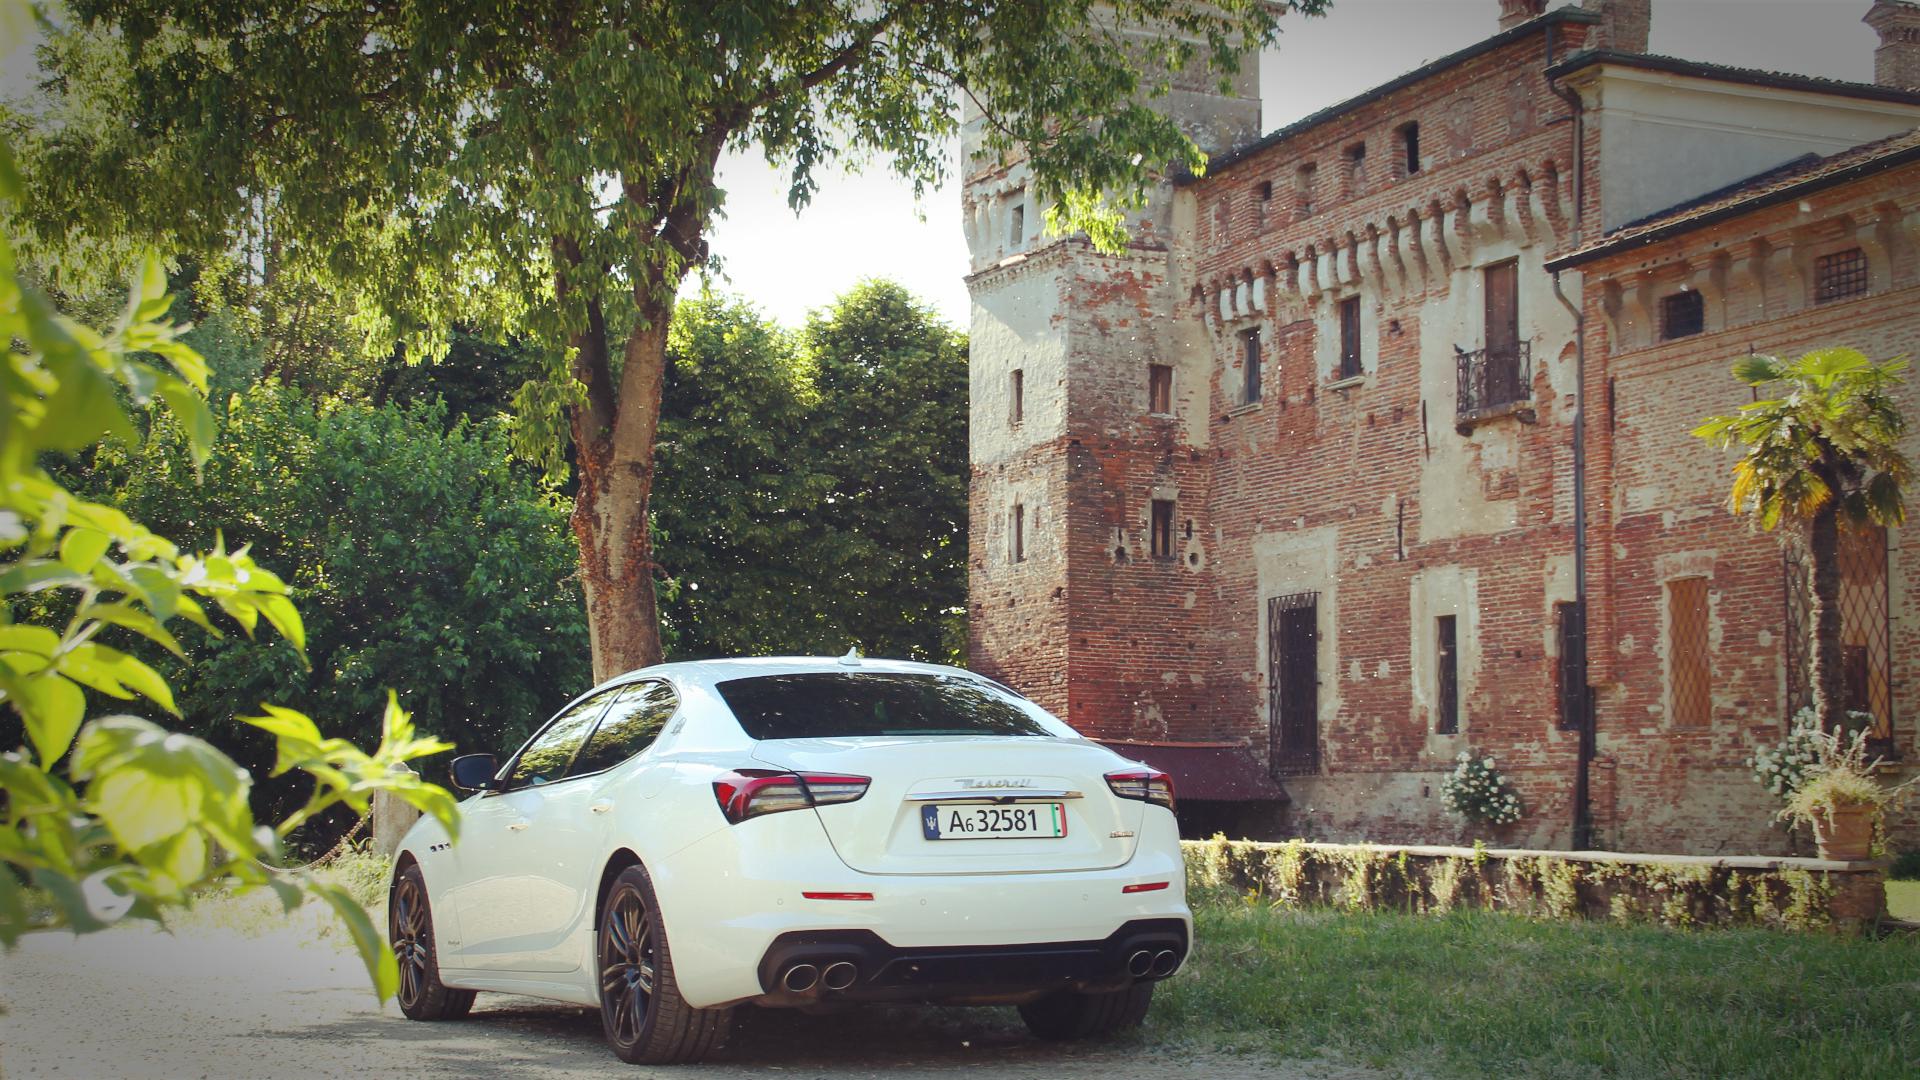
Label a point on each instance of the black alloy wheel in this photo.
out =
(645, 1018)
(410, 931)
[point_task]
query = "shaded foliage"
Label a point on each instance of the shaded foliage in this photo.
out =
(812, 490)
(422, 559)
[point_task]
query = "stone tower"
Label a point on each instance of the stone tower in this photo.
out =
(1088, 403)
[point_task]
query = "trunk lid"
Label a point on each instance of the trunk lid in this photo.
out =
(884, 831)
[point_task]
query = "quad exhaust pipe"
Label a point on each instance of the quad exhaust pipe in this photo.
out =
(839, 975)
(800, 978)
(1164, 962)
(1139, 964)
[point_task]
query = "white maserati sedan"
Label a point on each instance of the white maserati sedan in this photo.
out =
(785, 832)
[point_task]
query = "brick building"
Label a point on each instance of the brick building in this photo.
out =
(1286, 496)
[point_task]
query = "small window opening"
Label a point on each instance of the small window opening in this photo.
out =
(1262, 200)
(1356, 156)
(1019, 532)
(1016, 397)
(1409, 148)
(1160, 388)
(1303, 185)
(1350, 360)
(1163, 528)
(1840, 275)
(1447, 661)
(1682, 314)
(1250, 357)
(1017, 230)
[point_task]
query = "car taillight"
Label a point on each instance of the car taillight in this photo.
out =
(747, 793)
(1147, 785)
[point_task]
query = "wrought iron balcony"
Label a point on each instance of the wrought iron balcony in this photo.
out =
(1494, 382)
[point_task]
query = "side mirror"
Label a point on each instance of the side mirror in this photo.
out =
(476, 772)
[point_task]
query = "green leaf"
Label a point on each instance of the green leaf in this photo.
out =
(286, 724)
(81, 548)
(52, 711)
(373, 948)
(123, 614)
(30, 639)
(115, 673)
(194, 416)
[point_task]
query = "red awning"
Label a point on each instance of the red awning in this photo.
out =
(1206, 771)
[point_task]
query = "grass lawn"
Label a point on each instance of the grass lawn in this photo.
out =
(1477, 994)
(1903, 900)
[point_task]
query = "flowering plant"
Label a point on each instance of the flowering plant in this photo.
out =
(1476, 791)
(1787, 765)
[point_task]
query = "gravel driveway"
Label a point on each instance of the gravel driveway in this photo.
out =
(215, 1003)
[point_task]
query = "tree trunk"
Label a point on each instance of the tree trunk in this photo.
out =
(1823, 546)
(610, 513)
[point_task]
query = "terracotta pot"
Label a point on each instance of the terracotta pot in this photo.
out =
(1844, 832)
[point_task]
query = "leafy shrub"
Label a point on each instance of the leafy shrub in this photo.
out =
(1906, 866)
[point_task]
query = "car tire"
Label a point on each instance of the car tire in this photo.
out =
(1076, 1014)
(646, 1020)
(422, 995)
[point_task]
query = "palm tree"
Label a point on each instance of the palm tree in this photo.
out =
(1822, 452)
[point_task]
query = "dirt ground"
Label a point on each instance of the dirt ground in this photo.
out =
(217, 1003)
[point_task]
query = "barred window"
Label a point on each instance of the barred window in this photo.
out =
(1250, 351)
(1689, 667)
(1682, 314)
(1017, 541)
(1016, 397)
(1163, 528)
(1447, 722)
(1839, 276)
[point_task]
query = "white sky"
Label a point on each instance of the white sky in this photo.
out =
(869, 225)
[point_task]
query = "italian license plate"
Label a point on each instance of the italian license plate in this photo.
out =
(972, 821)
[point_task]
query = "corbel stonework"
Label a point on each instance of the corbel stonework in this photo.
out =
(1520, 208)
(1746, 286)
(1485, 220)
(1433, 240)
(1710, 281)
(1413, 251)
(1343, 263)
(1226, 303)
(1242, 298)
(1611, 306)
(1876, 239)
(1309, 276)
(1636, 309)
(1368, 258)
(1455, 239)
(1787, 278)
(1259, 301)
(1387, 254)
(1323, 273)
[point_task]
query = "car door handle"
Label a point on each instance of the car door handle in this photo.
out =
(601, 807)
(517, 826)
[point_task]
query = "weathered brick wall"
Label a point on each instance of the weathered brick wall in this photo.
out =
(1403, 517)
(1665, 498)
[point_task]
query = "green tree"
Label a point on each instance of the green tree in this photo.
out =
(424, 561)
(1821, 451)
(517, 172)
(812, 488)
(891, 432)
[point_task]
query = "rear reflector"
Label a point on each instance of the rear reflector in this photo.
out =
(747, 793)
(1145, 886)
(838, 895)
(1147, 785)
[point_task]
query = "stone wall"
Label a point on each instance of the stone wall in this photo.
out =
(1672, 890)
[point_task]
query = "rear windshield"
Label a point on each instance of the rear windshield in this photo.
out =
(832, 704)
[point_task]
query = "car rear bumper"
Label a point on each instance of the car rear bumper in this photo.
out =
(806, 966)
(738, 894)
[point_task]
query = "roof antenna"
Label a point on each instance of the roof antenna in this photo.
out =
(852, 659)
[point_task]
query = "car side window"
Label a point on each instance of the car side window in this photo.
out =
(630, 726)
(546, 758)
